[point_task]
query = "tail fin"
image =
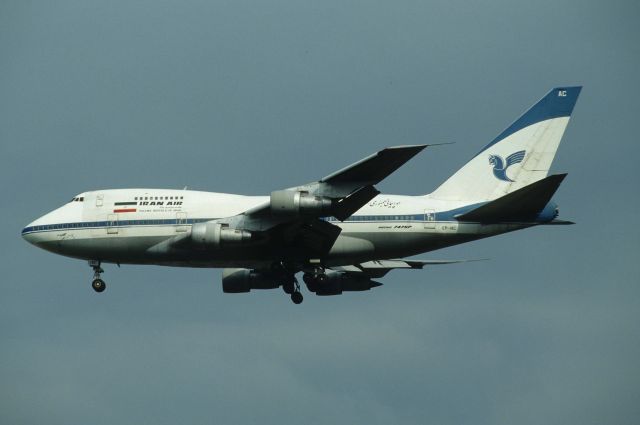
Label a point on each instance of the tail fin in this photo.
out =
(520, 155)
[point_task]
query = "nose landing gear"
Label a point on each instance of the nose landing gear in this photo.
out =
(97, 284)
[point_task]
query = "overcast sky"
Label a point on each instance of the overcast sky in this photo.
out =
(252, 96)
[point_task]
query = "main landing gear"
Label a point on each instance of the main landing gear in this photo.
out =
(315, 279)
(296, 295)
(292, 287)
(97, 284)
(290, 284)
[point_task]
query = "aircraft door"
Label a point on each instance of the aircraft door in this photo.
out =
(181, 222)
(112, 224)
(429, 219)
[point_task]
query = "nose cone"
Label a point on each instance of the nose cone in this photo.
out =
(29, 233)
(47, 230)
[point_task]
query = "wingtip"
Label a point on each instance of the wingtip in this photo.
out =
(557, 222)
(441, 144)
(406, 147)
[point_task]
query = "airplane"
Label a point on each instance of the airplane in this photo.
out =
(340, 232)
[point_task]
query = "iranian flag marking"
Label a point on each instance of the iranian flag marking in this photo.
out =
(125, 207)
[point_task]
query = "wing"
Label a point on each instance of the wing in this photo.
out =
(374, 168)
(292, 224)
(358, 277)
(514, 158)
(290, 213)
(379, 268)
(341, 193)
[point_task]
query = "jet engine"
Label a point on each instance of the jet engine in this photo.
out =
(334, 283)
(244, 280)
(288, 202)
(215, 234)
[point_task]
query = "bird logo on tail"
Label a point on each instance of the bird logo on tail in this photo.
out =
(499, 166)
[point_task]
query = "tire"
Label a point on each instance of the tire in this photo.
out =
(288, 288)
(98, 285)
(297, 297)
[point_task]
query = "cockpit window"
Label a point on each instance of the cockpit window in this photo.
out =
(77, 199)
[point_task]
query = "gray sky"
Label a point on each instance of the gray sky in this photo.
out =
(249, 97)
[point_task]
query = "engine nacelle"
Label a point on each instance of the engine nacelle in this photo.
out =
(215, 234)
(288, 202)
(235, 281)
(334, 283)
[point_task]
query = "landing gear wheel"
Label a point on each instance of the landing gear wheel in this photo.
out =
(98, 285)
(288, 287)
(297, 297)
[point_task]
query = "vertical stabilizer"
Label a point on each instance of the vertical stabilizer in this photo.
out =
(520, 155)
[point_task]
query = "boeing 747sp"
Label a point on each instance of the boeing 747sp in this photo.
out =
(339, 231)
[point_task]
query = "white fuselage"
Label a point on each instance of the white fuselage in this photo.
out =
(131, 226)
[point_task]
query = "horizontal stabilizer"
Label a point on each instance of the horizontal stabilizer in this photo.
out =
(557, 222)
(523, 204)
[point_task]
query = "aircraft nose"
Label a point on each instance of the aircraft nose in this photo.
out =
(28, 233)
(42, 232)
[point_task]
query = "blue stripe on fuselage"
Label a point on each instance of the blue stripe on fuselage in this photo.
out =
(439, 216)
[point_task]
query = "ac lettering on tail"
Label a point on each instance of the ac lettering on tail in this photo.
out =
(562, 93)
